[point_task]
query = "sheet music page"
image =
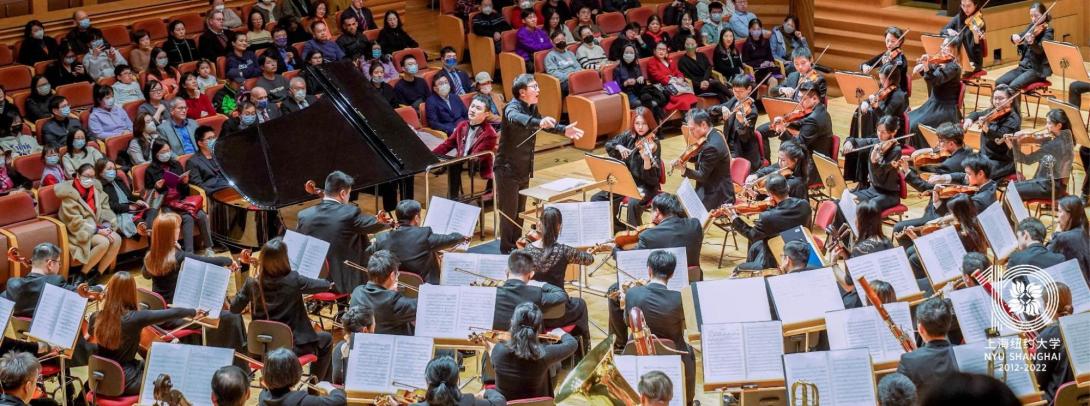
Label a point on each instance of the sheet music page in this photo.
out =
(763, 350)
(214, 289)
(634, 263)
(857, 328)
(370, 362)
(1018, 208)
(437, 216)
(307, 254)
(998, 230)
(58, 316)
(490, 265)
(890, 266)
(436, 311)
(571, 216)
(7, 307)
(854, 383)
(412, 355)
(1076, 333)
(747, 299)
(476, 308)
(804, 296)
(1070, 273)
(812, 367)
(973, 358)
(595, 223)
(691, 201)
(446, 216)
(849, 208)
(190, 368)
(973, 308)
(723, 350)
(942, 254)
(629, 367)
(902, 317)
(564, 184)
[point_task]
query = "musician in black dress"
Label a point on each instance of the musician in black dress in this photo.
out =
(1033, 65)
(972, 37)
(814, 131)
(523, 362)
(739, 123)
(1073, 238)
(884, 181)
(1001, 120)
(889, 101)
(944, 80)
(711, 161)
(640, 150)
(551, 258)
(894, 56)
(443, 390)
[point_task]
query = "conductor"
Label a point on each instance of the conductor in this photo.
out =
(515, 157)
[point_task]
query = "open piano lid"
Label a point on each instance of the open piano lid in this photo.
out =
(349, 129)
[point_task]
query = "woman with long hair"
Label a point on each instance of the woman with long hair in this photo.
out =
(140, 56)
(552, 258)
(662, 72)
(964, 211)
(37, 104)
(179, 48)
(36, 45)
(66, 68)
(443, 390)
(145, 131)
(1050, 364)
(554, 23)
(757, 52)
(641, 152)
(198, 104)
(727, 58)
(393, 36)
(654, 34)
(523, 362)
(1073, 239)
(868, 221)
(92, 226)
(256, 34)
(276, 294)
(1055, 158)
(78, 152)
(116, 328)
(125, 205)
(640, 92)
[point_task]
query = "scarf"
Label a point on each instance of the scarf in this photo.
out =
(87, 194)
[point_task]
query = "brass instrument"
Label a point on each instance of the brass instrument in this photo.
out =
(597, 381)
(805, 393)
(997, 362)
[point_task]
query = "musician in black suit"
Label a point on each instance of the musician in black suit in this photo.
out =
(882, 177)
(804, 73)
(203, 169)
(443, 390)
(357, 319)
(738, 127)
(991, 140)
(517, 289)
(230, 386)
(1031, 248)
(1033, 66)
(344, 226)
(815, 131)
(933, 361)
(1072, 240)
(786, 213)
(280, 375)
(951, 146)
(944, 82)
(45, 267)
(394, 313)
(673, 228)
(712, 161)
(415, 246)
(1051, 366)
(791, 156)
(298, 99)
(977, 173)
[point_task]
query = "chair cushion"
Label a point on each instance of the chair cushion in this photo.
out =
(328, 296)
(975, 76)
(898, 209)
(1032, 87)
(32, 233)
(50, 370)
(16, 208)
(306, 359)
(112, 401)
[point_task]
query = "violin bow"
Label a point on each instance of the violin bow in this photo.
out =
(966, 26)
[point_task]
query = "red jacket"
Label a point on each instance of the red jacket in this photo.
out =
(660, 73)
(485, 140)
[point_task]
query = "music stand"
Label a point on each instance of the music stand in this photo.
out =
(777, 107)
(615, 174)
(1067, 58)
(856, 86)
(932, 43)
(830, 175)
(930, 135)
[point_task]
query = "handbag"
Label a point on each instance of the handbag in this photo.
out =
(190, 204)
(611, 87)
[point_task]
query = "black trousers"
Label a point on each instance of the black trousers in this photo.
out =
(1084, 154)
(510, 203)
(389, 192)
(635, 209)
(1075, 91)
(1040, 188)
(575, 314)
(1018, 78)
(323, 349)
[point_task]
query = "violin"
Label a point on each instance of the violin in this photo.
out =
(758, 186)
(1035, 137)
(484, 336)
(622, 290)
(947, 191)
(882, 94)
(165, 394)
(690, 152)
(531, 237)
(628, 238)
(402, 397)
(743, 209)
(929, 158)
(1038, 24)
(924, 229)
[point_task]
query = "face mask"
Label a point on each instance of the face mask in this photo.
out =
(44, 89)
(84, 23)
(450, 62)
(86, 182)
(376, 53)
(79, 144)
(162, 62)
(262, 104)
(561, 45)
(588, 40)
(68, 60)
(755, 33)
(717, 17)
(300, 94)
(53, 159)
(65, 111)
(109, 175)
(486, 9)
(629, 57)
(486, 89)
(163, 157)
(411, 69)
(443, 90)
(281, 42)
(248, 119)
(376, 79)
(211, 143)
(149, 128)
(96, 43)
(219, 7)
(788, 29)
(526, 4)
(39, 34)
(690, 47)
(108, 102)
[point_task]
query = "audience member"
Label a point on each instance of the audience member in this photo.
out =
(108, 117)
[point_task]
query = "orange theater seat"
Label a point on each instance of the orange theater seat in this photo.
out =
(154, 26)
(596, 112)
(215, 121)
(511, 64)
(452, 33)
(116, 145)
(15, 78)
(22, 227)
(79, 94)
(550, 102)
(639, 15)
(6, 55)
(116, 35)
(421, 59)
(611, 23)
(194, 23)
(482, 53)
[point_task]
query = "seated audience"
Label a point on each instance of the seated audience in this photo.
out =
(198, 104)
(108, 117)
(180, 49)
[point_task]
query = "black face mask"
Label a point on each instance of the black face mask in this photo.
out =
(560, 45)
(588, 39)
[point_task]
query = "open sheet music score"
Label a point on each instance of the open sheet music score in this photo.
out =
(1014, 201)
(190, 368)
(491, 265)
(565, 184)
(804, 296)
(306, 254)
(634, 264)
(7, 307)
(890, 266)
(843, 377)
(450, 311)
(973, 308)
(585, 223)
(376, 361)
(57, 317)
(632, 367)
(742, 353)
(997, 229)
(863, 327)
(849, 208)
(446, 216)
(942, 254)
(746, 298)
(1070, 273)
(973, 358)
(1076, 336)
(202, 285)
(691, 201)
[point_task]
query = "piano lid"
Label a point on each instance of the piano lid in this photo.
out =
(349, 129)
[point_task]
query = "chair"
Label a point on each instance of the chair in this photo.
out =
(410, 280)
(452, 33)
(84, 118)
(137, 176)
(194, 23)
(612, 22)
(6, 55)
(550, 99)
(639, 15)
(16, 78)
(116, 35)
(900, 209)
(30, 166)
(21, 227)
(214, 121)
(211, 91)
(1039, 91)
(596, 112)
(187, 67)
(107, 382)
(975, 80)
(739, 170)
(80, 95)
(263, 336)
(826, 214)
(155, 27)
(1069, 394)
(511, 65)
(482, 53)
(149, 300)
(371, 35)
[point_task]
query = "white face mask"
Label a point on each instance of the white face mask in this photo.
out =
(443, 89)
(86, 182)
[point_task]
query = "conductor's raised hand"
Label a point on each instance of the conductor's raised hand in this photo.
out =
(548, 122)
(573, 132)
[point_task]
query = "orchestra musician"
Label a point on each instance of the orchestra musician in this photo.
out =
(972, 37)
(276, 294)
(884, 153)
(1031, 249)
(785, 213)
(1002, 119)
(963, 212)
(712, 161)
(865, 122)
(415, 246)
(116, 328)
(1072, 240)
(739, 126)
(345, 227)
(804, 73)
(552, 258)
(814, 131)
(394, 313)
(1051, 366)
(662, 311)
(516, 290)
(523, 363)
(1033, 65)
(943, 77)
(281, 374)
(1055, 158)
(641, 152)
(655, 389)
(977, 170)
(934, 360)
(673, 228)
(791, 157)
(45, 267)
(894, 56)
(1074, 96)
(515, 154)
(230, 386)
(20, 374)
(795, 257)
(443, 390)
(357, 319)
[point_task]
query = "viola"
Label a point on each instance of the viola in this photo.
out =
(531, 237)
(940, 58)
(882, 94)
(930, 158)
(690, 152)
(948, 191)
(758, 186)
(744, 209)
(85, 291)
(628, 238)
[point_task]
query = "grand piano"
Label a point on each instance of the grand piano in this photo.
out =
(349, 129)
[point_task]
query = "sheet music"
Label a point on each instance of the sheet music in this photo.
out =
(57, 317)
(746, 298)
(864, 328)
(812, 367)
(632, 367)
(890, 266)
(849, 208)
(1018, 208)
(7, 307)
(565, 184)
(804, 296)
(634, 263)
(190, 368)
(1070, 273)
(942, 254)
(491, 265)
(1076, 333)
(202, 285)
(691, 201)
(998, 230)
(585, 223)
(843, 377)
(306, 254)
(450, 311)
(973, 358)
(446, 216)
(372, 367)
(973, 308)
(742, 352)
